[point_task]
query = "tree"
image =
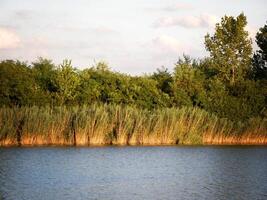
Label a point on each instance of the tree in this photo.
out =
(144, 93)
(67, 81)
(89, 89)
(247, 102)
(107, 83)
(164, 80)
(17, 85)
(259, 69)
(45, 73)
(230, 49)
(188, 82)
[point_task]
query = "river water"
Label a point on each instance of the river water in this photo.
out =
(177, 172)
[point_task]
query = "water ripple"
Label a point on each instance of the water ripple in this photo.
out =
(133, 173)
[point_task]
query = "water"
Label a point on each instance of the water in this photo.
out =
(133, 173)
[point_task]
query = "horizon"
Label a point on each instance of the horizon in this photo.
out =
(132, 37)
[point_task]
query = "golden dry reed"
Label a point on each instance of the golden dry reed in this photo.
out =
(123, 125)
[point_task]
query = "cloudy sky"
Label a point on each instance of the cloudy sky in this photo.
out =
(134, 37)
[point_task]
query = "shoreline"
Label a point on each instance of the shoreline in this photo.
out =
(125, 146)
(210, 143)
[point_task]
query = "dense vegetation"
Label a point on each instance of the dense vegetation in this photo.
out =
(230, 84)
(115, 124)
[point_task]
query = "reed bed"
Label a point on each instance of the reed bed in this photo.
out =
(123, 125)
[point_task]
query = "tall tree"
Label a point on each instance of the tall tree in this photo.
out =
(230, 49)
(259, 69)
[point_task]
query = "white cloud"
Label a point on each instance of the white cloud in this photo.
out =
(24, 14)
(178, 6)
(164, 50)
(101, 29)
(104, 30)
(169, 44)
(8, 39)
(204, 20)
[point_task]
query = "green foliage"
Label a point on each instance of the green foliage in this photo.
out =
(218, 84)
(188, 83)
(146, 94)
(89, 88)
(164, 80)
(229, 92)
(45, 76)
(259, 70)
(17, 85)
(66, 82)
(230, 49)
(240, 103)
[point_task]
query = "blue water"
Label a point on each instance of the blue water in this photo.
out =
(133, 173)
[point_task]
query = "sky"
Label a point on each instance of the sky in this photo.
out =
(133, 37)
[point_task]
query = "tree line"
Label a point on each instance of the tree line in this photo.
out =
(231, 82)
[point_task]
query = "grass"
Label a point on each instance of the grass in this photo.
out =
(123, 125)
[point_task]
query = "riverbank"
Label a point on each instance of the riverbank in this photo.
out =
(123, 125)
(39, 141)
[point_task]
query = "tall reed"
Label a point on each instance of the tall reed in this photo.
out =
(123, 125)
